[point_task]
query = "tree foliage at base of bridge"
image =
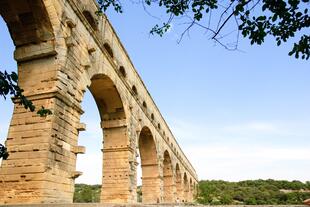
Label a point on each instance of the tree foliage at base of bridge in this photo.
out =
(84, 193)
(253, 19)
(253, 192)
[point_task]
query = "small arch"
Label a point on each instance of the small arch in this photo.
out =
(122, 71)
(152, 116)
(134, 89)
(158, 125)
(90, 19)
(144, 105)
(108, 48)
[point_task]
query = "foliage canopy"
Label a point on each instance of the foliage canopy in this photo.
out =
(253, 192)
(254, 19)
(217, 192)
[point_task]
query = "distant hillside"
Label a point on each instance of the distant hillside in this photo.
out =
(253, 192)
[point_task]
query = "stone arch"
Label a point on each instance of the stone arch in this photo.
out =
(178, 179)
(185, 187)
(29, 24)
(168, 182)
(108, 99)
(90, 19)
(109, 49)
(150, 168)
(116, 152)
(122, 71)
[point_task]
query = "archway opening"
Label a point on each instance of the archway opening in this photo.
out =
(88, 185)
(106, 132)
(8, 64)
(149, 165)
(91, 20)
(168, 179)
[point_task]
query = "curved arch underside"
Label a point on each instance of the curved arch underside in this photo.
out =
(28, 21)
(149, 165)
(108, 100)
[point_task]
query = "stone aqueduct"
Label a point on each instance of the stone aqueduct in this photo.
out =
(63, 49)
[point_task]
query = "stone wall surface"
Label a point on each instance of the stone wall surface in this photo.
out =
(62, 50)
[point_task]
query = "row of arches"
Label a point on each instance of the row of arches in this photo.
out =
(111, 51)
(176, 186)
(54, 140)
(163, 179)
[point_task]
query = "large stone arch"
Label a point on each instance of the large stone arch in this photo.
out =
(150, 167)
(28, 21)
(168, 179)
(116, 150)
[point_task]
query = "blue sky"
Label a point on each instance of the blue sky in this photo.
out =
(237, 115)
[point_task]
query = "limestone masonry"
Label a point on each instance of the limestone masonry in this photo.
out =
(63, 49)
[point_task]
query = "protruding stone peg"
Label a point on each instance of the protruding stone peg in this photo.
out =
(78, 150)
(76, 174)
(86, 63)
(70, 23)
(70, 42)
(81, 127)
(91, 49)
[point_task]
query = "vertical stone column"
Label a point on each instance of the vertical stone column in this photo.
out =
(174, 190)
(185, 191)
(168, 189)
(117, 184)
(179, 190)
(191, 193)
(151, 184)
(41, 165)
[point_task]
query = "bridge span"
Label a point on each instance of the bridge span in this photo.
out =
(62, 50)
